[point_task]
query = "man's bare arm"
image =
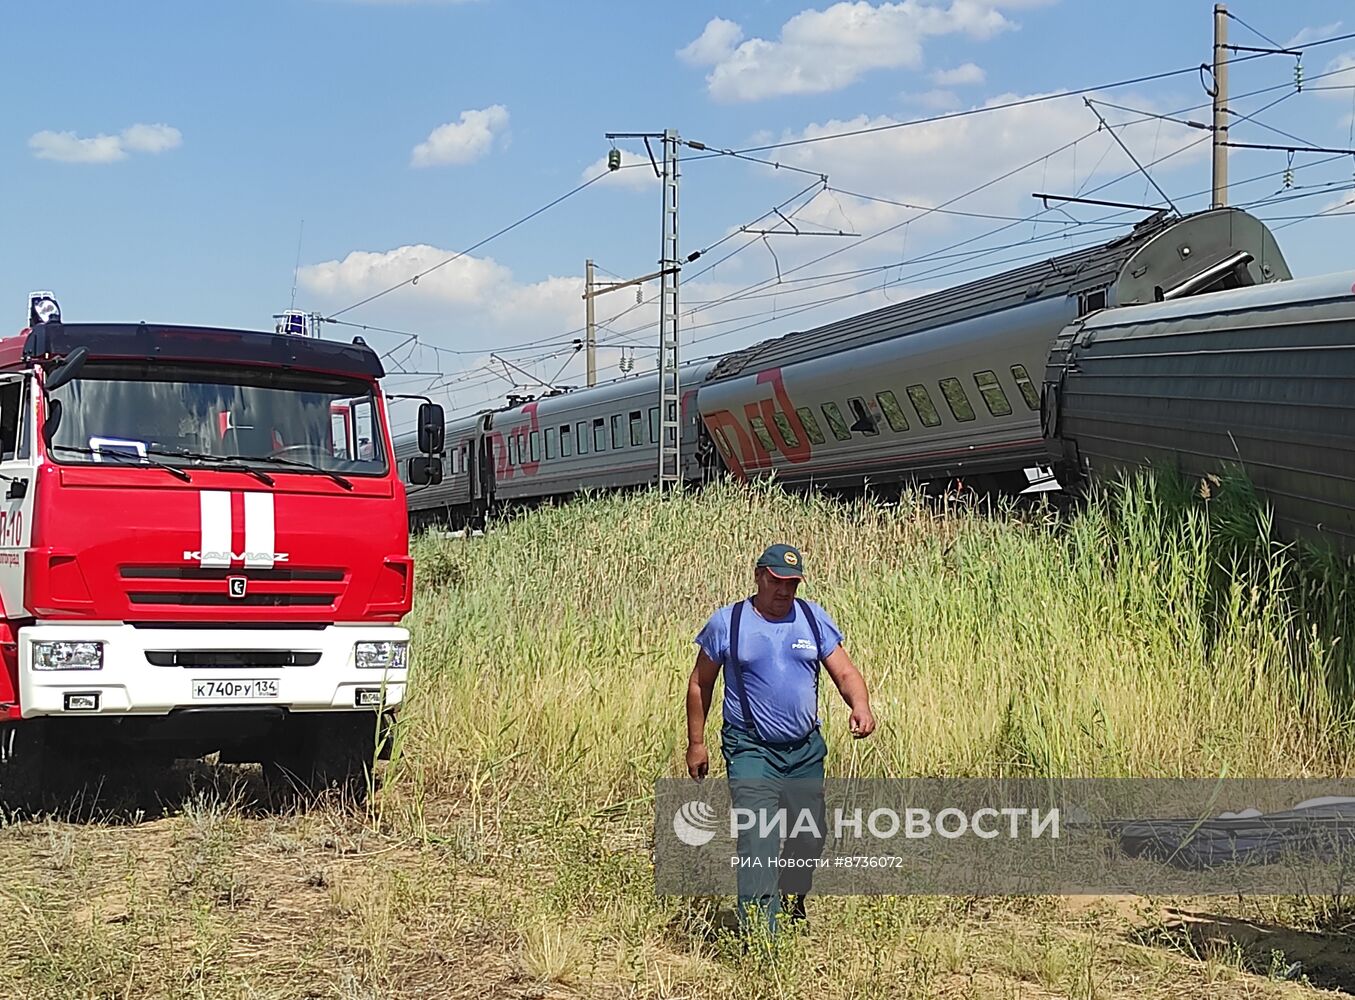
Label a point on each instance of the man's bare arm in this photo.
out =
(852, 686)
(700, 689)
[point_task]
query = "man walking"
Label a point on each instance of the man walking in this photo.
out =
(771, 646)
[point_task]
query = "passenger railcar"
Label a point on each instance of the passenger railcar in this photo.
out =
(942, 386)
(599, 439)
(947, 385)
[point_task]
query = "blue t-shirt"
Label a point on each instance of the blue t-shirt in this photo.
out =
(778, 661)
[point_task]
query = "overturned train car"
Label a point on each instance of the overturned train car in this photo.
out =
(1261, 379)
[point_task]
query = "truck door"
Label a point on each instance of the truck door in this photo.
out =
(17, 486)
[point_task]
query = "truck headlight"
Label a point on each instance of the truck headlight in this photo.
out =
(385, 655)
(62, 654)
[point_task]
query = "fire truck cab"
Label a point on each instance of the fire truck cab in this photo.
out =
(203, 548)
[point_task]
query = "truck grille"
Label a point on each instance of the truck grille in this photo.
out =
(230, 658)
(197, 587)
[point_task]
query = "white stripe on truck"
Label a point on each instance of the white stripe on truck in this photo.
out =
(259, 529)
(214, 540)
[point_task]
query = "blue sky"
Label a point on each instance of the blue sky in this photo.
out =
(160, 157)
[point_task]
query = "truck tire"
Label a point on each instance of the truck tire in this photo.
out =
(21, 757)
(36, 773)
(325, 752)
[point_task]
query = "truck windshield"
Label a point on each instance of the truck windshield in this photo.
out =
(189, 414)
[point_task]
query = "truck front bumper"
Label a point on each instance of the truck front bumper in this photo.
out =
(300, 669)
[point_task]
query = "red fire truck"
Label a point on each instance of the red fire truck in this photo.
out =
(203, 548)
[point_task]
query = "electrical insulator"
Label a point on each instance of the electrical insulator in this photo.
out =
(1298, 75)
(614, 159)
(1288, 177)
(639, 295)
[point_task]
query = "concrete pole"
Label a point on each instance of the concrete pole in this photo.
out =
(1220, 185)
(591, 343)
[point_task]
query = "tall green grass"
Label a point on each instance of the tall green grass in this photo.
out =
(1157, 632)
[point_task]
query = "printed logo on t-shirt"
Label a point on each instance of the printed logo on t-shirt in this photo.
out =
(802, 644)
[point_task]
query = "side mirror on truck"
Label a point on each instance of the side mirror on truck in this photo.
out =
(424, 470)
(432, 429)
(67, 370)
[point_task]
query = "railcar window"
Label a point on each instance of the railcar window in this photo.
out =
(536, 446)
(566, 441)
(637, 428)
(1026, 386)
(836, 424)
(811, 424)
(923, 406)
(959, 402)
(581, 434)
(513, 450)
(599, 435)
(550, 442)
(787, 432)
(617, 439)
(865, 420)
(653, 425)
(889, 404)
(993, 396)
(763, 435)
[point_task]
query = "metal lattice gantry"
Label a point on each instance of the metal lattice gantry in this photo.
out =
(670, 391)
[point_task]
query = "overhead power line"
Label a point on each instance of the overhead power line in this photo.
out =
(1021, 103)
(414, 279)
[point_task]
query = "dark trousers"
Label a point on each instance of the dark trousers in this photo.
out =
(765, 778)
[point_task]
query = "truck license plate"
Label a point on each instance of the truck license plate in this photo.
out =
(235, 689)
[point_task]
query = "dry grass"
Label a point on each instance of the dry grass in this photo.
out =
(507, 853)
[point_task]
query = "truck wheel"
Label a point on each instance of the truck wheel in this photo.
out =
(22, 749)
(35, 771)
(325, 752)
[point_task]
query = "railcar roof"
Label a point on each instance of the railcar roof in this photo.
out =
(1088, 268)
(1322, 288)
(190, 343)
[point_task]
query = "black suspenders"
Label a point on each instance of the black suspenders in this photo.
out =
(735, 617)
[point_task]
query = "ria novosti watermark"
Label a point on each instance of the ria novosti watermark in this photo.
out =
(695, 823)
(980, 836)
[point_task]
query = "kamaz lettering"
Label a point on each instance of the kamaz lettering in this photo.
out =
(234, 556)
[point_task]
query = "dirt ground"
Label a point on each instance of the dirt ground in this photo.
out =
(214, 890)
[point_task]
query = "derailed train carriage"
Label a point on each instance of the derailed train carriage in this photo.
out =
(943, 386)
(1260, 379)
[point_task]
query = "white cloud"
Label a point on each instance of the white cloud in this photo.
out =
(1343, 70)
(465, 281)
(934, 100)
(1312, 34)
(636, 172)
(67, 147)
(966, 74)
(927, 164)
(715, 44)
(821, 51)
(462, 141)
(151, 138)
(1343, 201)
